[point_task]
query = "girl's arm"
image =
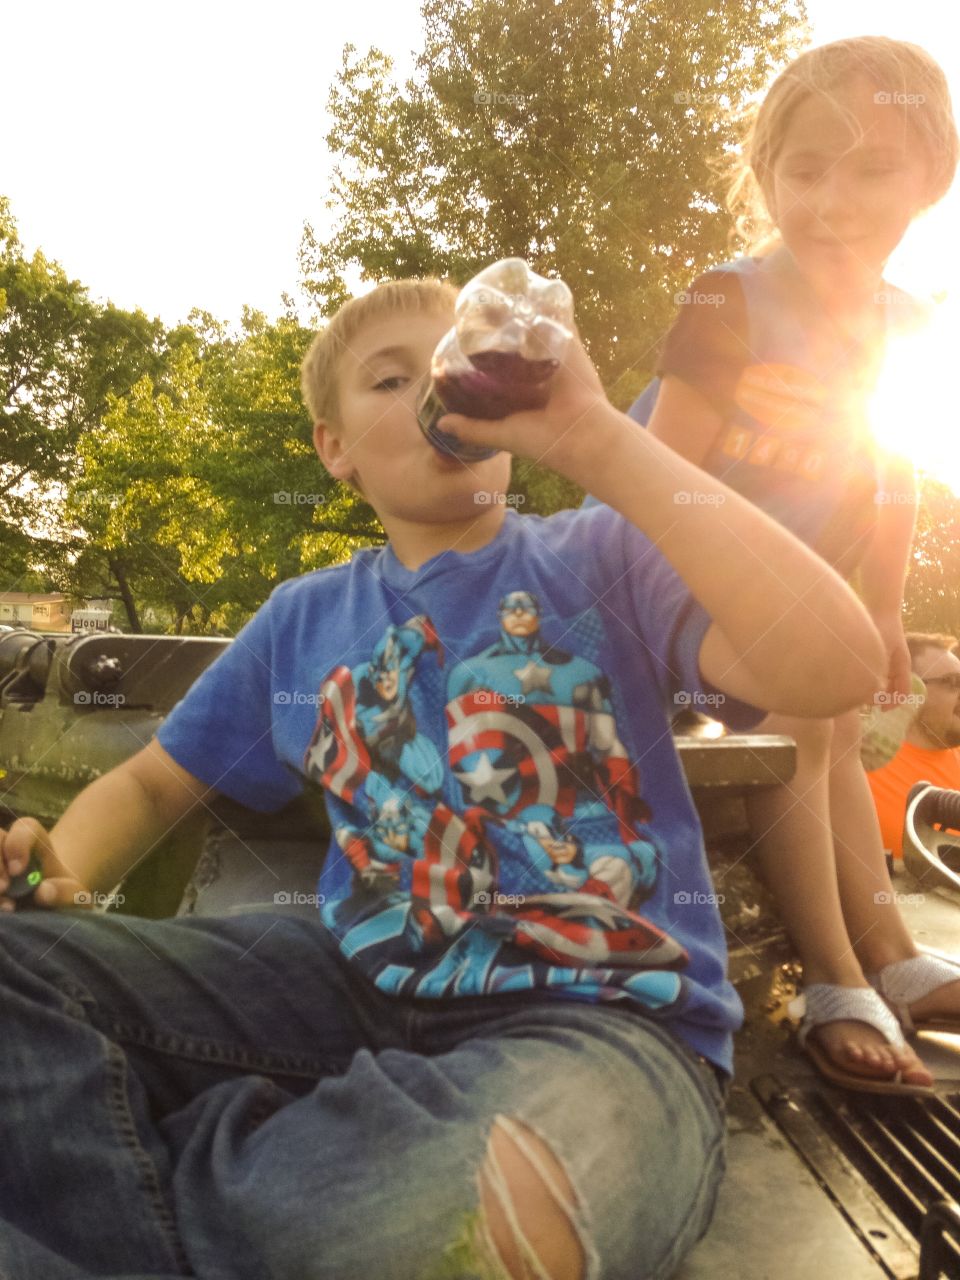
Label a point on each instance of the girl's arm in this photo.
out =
(700, 364)
(883, 569)
(683, 419)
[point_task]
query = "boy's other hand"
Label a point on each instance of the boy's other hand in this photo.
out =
(556, 435)
(59, 886)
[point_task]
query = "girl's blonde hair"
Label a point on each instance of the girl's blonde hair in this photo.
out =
(910, 80)
(321, 364)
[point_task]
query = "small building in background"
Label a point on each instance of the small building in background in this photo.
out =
(35, 610)
(51, 611)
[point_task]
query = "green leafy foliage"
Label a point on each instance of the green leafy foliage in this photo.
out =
(931, 597)
(583, 136)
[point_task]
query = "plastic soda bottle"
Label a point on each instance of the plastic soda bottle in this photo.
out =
(510, 331)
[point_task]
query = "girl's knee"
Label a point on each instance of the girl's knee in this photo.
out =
(814, 738)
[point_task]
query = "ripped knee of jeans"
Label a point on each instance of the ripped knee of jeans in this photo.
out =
(527, 1226)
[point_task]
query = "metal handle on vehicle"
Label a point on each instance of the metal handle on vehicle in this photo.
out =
(942, 1216)
(924, 849)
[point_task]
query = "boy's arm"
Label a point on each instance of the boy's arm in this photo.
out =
(107, 829)
(788, 634)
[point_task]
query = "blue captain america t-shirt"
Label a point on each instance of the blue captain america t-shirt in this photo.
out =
(492, 733)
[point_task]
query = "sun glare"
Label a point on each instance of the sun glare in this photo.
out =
(913, 411)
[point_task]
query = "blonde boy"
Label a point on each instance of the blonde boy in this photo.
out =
(499, 1050)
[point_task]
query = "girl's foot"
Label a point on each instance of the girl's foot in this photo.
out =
(859, 1049)
(854, 1040)
(923, 990)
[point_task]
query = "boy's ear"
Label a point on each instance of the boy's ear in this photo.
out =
(331, 449)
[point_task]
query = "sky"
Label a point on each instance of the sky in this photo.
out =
(168, 157)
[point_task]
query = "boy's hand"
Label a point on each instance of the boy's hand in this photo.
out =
(59, 887)
(557, 435)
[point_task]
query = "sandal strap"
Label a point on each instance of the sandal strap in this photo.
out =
(906, 981)
(827, 1002)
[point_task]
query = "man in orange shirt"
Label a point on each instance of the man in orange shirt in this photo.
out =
(931, 747)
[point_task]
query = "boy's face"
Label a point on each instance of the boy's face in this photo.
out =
(849, 177)
(378, 442)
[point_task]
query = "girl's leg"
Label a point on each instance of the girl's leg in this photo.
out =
(876, 927)
(793, 843)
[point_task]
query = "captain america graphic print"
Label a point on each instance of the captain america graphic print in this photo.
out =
(490, 830)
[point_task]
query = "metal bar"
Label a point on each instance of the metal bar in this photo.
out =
(795, 1111)
(936, 1254)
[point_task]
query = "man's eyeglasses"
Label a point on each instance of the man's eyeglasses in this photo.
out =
(952, 681)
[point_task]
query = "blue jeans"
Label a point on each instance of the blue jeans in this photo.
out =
(229, 1099)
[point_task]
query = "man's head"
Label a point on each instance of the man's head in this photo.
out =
(362, 379)
(936, 725)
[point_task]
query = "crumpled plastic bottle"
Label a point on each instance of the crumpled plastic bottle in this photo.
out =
(510, 331)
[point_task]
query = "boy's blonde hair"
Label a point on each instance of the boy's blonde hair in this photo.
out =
(320, 369)
(917, 88)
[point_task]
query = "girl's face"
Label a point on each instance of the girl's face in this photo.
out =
(849, 177)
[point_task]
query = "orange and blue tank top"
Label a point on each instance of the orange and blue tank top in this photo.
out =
(793, 393)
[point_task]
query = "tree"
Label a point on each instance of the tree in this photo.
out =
(61, 358)
(579, 135)
(41, 314)
(200, 491)
(932, 595)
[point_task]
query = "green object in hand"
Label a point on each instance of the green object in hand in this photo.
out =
(23, 885)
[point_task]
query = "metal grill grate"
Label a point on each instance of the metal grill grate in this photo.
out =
(885, 1161)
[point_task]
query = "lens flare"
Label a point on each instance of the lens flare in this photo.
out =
(913, 410)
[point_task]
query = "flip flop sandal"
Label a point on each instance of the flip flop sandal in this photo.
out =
(905, 982)
(824, 1002)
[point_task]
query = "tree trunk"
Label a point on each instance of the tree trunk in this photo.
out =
(126, 595)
